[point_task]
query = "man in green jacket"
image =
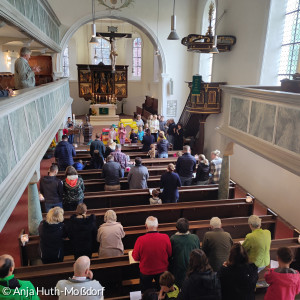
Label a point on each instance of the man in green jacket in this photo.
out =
(258, 243)
(10, 287)
(183, 243)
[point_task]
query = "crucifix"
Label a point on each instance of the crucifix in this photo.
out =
(111, 36)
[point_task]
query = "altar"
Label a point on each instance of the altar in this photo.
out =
(103, 114)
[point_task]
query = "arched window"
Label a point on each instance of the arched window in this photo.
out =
(100, 52)
(66, 69)
(137, 57)
(290, 47)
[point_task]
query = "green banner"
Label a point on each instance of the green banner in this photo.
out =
(103, 110)
(196, 88)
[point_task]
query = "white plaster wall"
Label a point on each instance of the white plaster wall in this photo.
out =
(276, 187)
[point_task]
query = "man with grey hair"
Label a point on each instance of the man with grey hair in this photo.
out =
(186, 166)
(24, 74)
(81, 285)
(153, 251)
(121, 158)
(258, 243)
(217, 244)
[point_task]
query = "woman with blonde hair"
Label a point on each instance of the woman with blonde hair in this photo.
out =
(52, 233)
(202, 174)
(215, 166)
(82, 232)
(170, 182)
(110, 236)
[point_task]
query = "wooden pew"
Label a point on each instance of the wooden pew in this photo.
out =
(112, 271)
(109, 199)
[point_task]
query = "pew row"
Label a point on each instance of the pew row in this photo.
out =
(112, 271)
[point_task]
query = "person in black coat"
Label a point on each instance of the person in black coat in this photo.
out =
(201, 282)
(96, 161)
(178, 137)
(202, 174)
(82, 232)
(64, 153)
(148, 140)
(170, 182)
(52, 233)
(238, 277)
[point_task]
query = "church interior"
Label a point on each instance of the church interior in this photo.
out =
(103, 61)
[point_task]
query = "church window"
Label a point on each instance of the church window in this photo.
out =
(289, 54)
(101, 52)
(66, 69)
(137, 57)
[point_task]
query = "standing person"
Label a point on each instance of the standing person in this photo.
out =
(73, 189)
(140, 134)
(121, 158)
(112, 135)
(82, 232)
(81, 283)
(110, 147)
(162, 124)
(52, 232)
(18, 289)
(64, 153)
(97, 160)
(216, 244)
(110, 236)
(170, 182)
(51, 189)
(133, 137)
(97, 144)
(238, 277)
(24, 74)
(139, 121)
(69, 126)
(215, 166)
(178, 137)
(111, 173)
(162, 146)
(183, 243)
(202, 174)
(154, 127)
(122, 134)
(170, 131)
(153, 251)
(258, 243)
(284, 281)
(201, 282)
(186, 166)
(148, 140)
(138, 175)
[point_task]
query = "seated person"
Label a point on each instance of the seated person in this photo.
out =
(284, 281)
(81, 281)
(155, 199)
(168, 289)
(97, 160)
(79, 165)
(8, 282)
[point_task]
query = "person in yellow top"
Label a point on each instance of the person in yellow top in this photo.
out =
(10, 287)
(258, 243)
(168, 288)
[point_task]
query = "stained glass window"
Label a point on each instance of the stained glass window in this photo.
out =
(137, 57)
(66, 69)
(290, 42)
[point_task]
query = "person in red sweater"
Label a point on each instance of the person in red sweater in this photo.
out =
(153, 251)
(284, 281)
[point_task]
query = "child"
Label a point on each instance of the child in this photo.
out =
(140, 133)
(79, 165)
(161, 136)
(112, 135)
(146, 126)
(133, 137)
(284, 281)
(155, 199)
(152, 152)
(122, 134)
(168, 290)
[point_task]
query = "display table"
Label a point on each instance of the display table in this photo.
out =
(104, 114)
